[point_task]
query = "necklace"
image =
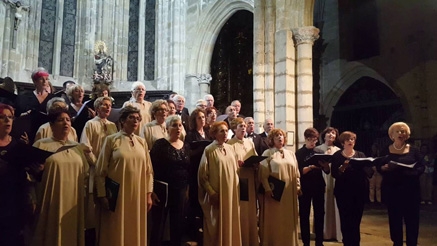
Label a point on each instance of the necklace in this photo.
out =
(401, 148)
(348, 156)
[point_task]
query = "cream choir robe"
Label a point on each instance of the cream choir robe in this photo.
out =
(152, 131)
(331, 228)
(279, 220)
(248, 218)
(94, 133)
(144, 108)
(60, 211)
(45, 131)
(125, 159)
(218, 173)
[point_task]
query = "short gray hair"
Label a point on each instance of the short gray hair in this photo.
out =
(171, 119)
(55, 100)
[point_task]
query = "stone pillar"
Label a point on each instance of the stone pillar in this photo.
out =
(57, 42)
(141, 40)
(285, 85)
(196, 86)
(204, 81)
(259, 105)
(304, 38)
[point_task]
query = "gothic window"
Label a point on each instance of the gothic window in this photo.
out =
(132, 56)
(149, 55)
(47, 34)
(68, 38)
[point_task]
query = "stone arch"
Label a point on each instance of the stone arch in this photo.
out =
(212, 20)
(351, 73)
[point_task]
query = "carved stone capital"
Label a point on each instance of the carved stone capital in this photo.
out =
(204, 78)
(305, 35)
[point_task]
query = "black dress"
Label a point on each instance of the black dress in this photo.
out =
(170, 165)
(194, 210)
(13, 199)
(401, 194)
(351, 193)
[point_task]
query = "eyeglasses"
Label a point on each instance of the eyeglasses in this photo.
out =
(351, 139)
(140, 89)
(313, 140)
(4, 117)
(131, 117)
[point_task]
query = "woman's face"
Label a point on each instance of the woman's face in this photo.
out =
(349, 144)
(139, 93)
(42, 83)
(310, 143)
(279, 140)
(330, 137)
(222, 134)
(161, 113)
(171, 109)
(6, 120)
(77, 95)
(200, 119)
(175, 129)
(62, 125)
(132, 123)
(399, 134)
(240, 131)
(212, 117)
(104, 109)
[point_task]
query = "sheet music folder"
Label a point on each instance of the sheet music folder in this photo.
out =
(112, 189)
(277, 187)
(314, 159)
(366, 161)
(160, 188)
(251, 161)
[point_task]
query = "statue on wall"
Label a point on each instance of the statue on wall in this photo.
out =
(103, 64)
(19, 8)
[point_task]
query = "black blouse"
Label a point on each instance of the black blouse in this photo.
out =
(170, 165)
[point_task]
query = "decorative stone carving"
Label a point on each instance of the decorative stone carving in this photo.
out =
(19, 8)
(103, 70)
(305, 35)
(204, 78)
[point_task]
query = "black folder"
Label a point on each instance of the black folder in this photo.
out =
(112, 189)
(160, 188)
(251, 161)
(28, 123)
(314, 159)
(200, 144)
(277, 187)
(244, 189)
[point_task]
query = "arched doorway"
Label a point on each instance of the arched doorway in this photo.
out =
(368, 107)
(231, 63)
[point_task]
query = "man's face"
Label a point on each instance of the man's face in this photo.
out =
(268, 125)
(139, 92)
(231, 112)
(237, 106)
(180, 103)
(250, 126)
(209, 101)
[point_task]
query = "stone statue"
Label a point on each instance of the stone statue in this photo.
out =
(19, 8)
(103, 64)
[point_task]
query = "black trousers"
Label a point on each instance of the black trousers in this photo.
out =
(318, 199)
(350, 208)
(177, 200)
(402, 207)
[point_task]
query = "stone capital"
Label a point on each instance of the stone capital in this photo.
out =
(204, 78)
(305, 35)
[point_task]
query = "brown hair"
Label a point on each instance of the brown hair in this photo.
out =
(329, 129)
(193, 116)
(311, 133)
(272, 134)
(214, 128)
(235, 122)
(346, 135)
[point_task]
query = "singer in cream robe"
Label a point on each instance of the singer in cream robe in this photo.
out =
(218, 174)
(60, 194)
(125, 159)
(93, 135)
(44, 131)
(244, 148)
(279, 220)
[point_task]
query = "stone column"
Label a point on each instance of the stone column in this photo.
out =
(57, 42)
(204, 81)
(304, 39)
(285, 85)
(259, 106)
(196, 86)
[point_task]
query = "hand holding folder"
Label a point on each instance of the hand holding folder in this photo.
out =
(276, 185)
(365, 162)
(314, 159)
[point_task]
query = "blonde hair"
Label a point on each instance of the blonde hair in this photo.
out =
(400, 125)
